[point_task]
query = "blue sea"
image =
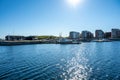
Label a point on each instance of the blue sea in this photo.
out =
(86, 61)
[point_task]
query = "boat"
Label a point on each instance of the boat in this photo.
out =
(102, 40)
(67, 41)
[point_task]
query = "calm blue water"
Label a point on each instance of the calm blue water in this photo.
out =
(86, 61)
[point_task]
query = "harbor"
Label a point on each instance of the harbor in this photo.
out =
(73, 38)
(59, 39)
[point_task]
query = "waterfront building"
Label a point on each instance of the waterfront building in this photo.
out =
(107, 34)
(74, 35)
(86, 35)
(115, 33)
(99, 34)
(14, 37)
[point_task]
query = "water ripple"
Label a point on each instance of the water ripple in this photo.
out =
(87, 61)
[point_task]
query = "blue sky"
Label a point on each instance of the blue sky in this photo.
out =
(51, 17)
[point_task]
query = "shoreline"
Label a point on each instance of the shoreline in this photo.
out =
(29, 42)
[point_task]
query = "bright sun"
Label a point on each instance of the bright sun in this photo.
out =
(74, 3)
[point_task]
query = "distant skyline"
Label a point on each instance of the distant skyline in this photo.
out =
(51, 17)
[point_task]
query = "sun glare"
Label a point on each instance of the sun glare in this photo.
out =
(74, 3)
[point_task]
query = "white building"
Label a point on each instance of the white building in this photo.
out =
(86, 35)
(115, 33)
(74, 35)
(99, 34)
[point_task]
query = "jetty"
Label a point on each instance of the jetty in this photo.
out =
(28, 42)
(23, 42)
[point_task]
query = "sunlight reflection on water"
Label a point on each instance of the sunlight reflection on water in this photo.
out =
(76, 67)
